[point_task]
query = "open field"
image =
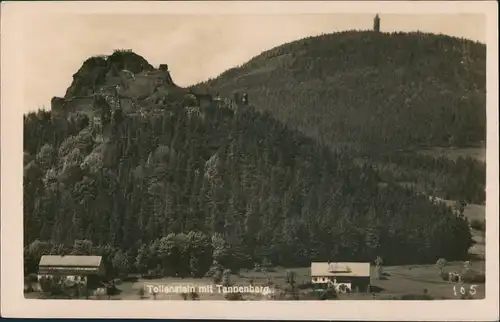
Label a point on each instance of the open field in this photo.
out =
(476, 153)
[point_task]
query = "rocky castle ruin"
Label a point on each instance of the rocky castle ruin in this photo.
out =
(107, 87)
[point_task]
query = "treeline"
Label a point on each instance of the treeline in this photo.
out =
(370, 90)
(461, 179)
(190, 254)
(271, 193)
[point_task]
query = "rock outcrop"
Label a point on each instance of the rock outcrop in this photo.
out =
(94, 71)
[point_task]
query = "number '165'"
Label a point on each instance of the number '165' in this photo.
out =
(463, 290)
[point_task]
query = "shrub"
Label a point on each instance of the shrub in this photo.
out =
(215, 272)
(415, 297)
(478, 224)
(234, 297)
(328, 294)
(441, 263)
(226, 277)
(445, 276)
(32, 277)
(304, 286)
(473, 277)
(194, 296)
(28, 288)
(266, 263)
(51, 285)
(122, 51)
(132, 279)
(112, 290)
(217, 277)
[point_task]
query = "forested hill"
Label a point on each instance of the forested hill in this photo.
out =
(370, 90)
(177, 182)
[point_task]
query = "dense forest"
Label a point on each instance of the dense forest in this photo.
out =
(397, 90)
(176, 189)
(373, 94)
(461, 179)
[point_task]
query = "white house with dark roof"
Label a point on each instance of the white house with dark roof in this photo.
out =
(356, 275)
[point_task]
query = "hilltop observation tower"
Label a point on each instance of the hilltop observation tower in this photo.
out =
(376, 23)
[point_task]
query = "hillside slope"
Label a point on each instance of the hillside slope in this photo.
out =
(370, 90)
(179, 181)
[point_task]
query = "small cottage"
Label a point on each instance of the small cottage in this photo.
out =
(354, 276)
(88, 270)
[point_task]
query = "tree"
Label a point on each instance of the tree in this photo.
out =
(290, 278)
(120, 263)
(226, 277)
(141, 292)
(82, 247)
(441, 263)
(378, 266)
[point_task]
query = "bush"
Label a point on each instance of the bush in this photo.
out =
(303, 286)
(132, 279)
(52, 285)
(32, 277)
(415, 297)
(226, 277)
(328, 294)
(194, 296)
(473, 277)
(445, 276)
(112, 290)
(234, 297)
(215, 272)
(478, 224)
(217, 278)
(28, 288)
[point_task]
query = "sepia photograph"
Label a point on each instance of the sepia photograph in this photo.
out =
(267, 160)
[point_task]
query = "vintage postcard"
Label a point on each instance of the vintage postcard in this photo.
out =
(250, 160)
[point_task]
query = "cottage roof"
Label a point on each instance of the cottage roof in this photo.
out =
(340, 269)
(70, 261)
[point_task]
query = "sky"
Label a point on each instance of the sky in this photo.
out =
(195, 46)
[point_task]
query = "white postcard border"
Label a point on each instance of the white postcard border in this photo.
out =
(13, 303)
